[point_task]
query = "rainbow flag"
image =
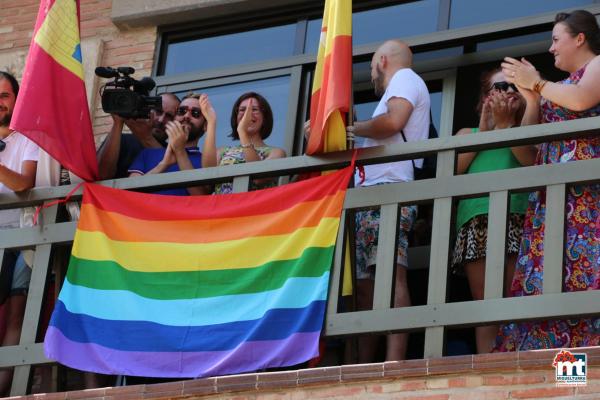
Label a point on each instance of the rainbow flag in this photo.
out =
(169, 286)
(52, 108)
(332, 84)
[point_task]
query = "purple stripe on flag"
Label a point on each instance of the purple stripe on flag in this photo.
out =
(247, 357)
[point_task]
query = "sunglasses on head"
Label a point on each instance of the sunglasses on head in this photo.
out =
(196, 113)
(503, 86)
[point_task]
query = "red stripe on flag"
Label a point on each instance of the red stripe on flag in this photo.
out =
(216, 206)
(334, 93)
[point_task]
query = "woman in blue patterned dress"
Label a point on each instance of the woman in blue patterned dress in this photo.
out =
(251, 124)
(575, 46)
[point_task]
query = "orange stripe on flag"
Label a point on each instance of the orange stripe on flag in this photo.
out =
(127, 229)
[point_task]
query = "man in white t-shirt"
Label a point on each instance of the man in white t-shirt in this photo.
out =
(18, 162)
(404, 107)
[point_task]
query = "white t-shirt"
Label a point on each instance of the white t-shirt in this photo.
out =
(18, 149)
(408, 85)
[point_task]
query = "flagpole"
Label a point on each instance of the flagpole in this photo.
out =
(350, 117)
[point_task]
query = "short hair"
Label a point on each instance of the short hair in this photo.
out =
(485, 87)
(191, 95)
(12, 80)
(581, 21)
(171, 95)
(265, 108)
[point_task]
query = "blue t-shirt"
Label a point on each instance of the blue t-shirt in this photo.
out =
(149, 158)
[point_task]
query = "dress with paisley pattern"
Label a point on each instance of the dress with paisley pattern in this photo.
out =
(581, 265)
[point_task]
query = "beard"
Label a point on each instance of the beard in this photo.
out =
(378, 83)
(194, 132)
(5, 121)
(159, 133)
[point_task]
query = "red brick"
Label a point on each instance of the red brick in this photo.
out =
(588, 389)
(500, 380)
(86, 394)
(319, 375)
(277, 380)
(412, 385)
(362, 371)
(450, 365)
(426, 397)
(129, 50)
(495, 361)
(339, 391)
(405, 368)
(535, 393)
(480, 395)
(537, 359)
(200, 386)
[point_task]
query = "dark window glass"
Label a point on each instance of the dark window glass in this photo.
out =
(515, 40)
(434, 54)
(384, 23)
(229, 50)
(275, 90)
(476, 12)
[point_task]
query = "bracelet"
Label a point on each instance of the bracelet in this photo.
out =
(539, 85)
(247, 146)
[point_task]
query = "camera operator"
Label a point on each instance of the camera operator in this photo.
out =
(118, 151)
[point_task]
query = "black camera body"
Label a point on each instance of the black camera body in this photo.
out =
(126, 96)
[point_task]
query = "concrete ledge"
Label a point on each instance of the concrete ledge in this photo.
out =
(136, 13)
(526, 374)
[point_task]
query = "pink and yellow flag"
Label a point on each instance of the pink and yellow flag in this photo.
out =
(332, 83)
(52, 105)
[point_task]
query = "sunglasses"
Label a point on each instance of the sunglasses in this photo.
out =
(503, 86)
(196, 113)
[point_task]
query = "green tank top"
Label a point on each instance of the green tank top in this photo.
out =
(489, 160)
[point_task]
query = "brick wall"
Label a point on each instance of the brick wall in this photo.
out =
(109, 45)
(518, 375)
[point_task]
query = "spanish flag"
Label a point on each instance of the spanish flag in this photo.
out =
(52, 105)
(175, 286)
(332, 83)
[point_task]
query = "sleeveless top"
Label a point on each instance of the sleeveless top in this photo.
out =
(489, 160)
(231, 155)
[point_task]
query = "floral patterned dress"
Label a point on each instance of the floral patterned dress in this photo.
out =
(230, 155)
(581, 265)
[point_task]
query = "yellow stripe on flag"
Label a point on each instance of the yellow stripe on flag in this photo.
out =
(170, 257)
(59, 36)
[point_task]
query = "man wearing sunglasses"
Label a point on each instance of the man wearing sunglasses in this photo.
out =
(118, 150)
(182, 150)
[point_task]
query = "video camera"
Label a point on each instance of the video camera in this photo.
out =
(126, 96)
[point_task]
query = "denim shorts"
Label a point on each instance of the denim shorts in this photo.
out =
(21, 277)
(367, 230)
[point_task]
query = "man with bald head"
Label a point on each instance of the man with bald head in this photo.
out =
(403, 111)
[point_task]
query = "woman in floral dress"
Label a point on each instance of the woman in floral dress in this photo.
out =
(575, 46)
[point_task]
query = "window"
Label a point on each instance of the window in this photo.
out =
(475, 12)
(275, 90)
(229, 50)
(515, 40)
(384, 23)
